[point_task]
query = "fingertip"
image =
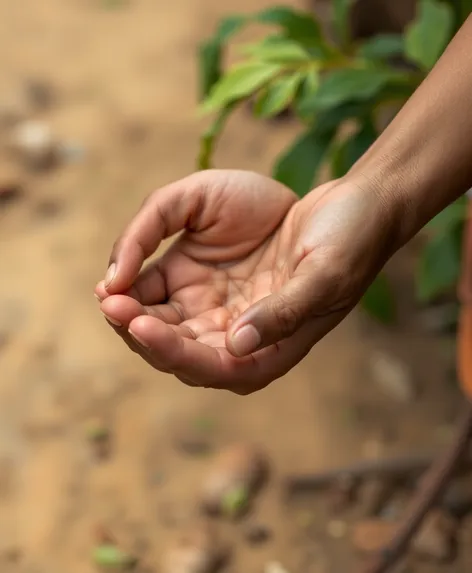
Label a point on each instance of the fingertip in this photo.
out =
(100, 291)
(243, 341)
(126, 262)
(121, 309)
(156, 336)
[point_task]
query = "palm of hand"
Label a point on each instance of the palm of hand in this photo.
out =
(240, 251)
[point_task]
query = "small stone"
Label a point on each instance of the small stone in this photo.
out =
(71, 152)
(371, 535)
(274, 567)
(194, 438)
(48, 208)
(12, 554)
(35, 145)
(435, 538)
(193, 445)
(257, 534)
(233, 479)
(197, 550)
(440, 318)
(11, 187)
(393, 376)
(40, 94)
(337, 529)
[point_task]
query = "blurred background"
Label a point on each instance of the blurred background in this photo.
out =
(102, 458)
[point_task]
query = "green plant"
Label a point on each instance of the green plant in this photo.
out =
(325, 84)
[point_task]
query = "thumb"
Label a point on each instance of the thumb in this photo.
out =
(272, 318)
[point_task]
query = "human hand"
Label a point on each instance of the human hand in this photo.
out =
(253, 282)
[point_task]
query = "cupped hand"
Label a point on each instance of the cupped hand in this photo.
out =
(253, 281)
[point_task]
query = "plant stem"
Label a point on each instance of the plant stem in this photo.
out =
(432, 487)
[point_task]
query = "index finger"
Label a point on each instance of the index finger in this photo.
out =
(164, 213)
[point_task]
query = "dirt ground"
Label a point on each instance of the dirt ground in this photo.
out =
(124, 80)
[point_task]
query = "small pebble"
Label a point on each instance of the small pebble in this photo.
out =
(40, 94)
(257, 534)
(71, 152)
(11, 187)
(435, 539)
(440, 318)
(35, 145)
(371, 535)
(232, 480)
(393, 376)
(197, 550)
(337, 529)
(274, 567)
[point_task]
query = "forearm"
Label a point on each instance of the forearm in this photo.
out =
(423, 160)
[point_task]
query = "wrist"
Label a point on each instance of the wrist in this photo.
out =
(381, 181)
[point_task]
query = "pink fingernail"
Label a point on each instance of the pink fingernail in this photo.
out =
(112, 320)
(111, 272)
(246, 340)
(137, 339)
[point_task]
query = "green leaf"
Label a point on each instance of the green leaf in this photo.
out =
(428, 35)
(284, 51)
(299, 26)
(382, 47)
(209, 66)
(297, 167)
(210, 53)
(309, 85)
(345, 85)
(209, 138)
(440, 264)
(230, 26)
(341, 9)
(109, 556)
(351, 149)
(332, 118)
(448, 218)
(239, 82)
(278, 96)
(379, 300)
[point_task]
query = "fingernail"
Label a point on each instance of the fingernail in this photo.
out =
(246, 340)
(97, 297)
(111, 272)
(137, 339)
(112, 320)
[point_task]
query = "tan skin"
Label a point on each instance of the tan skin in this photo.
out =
(236, 260)
(258, 277)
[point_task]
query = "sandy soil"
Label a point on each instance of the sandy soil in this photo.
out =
(125, 85)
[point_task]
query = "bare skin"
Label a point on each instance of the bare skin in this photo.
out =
(250, 248)
(257, 277)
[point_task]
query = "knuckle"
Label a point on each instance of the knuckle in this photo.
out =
(287, 316)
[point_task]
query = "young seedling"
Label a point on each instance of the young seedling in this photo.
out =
(109, 557)
(235, 502)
